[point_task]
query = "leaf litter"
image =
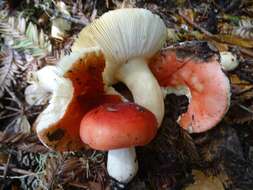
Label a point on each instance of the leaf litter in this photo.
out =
(175, 159)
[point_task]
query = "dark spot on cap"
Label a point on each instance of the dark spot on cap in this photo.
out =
(193, 118)
(56, 135)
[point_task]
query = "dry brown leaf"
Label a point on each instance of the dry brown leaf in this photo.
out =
(51, 164)
(203, 182)
(95, 185)
(239, 116)
(220, 46)
(234, 40)
(241, 87)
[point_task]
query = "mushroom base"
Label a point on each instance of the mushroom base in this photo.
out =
(122, 164)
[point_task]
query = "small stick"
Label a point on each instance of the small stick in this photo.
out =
(79, 185)
(245, 108)
(6, 167)
(19, 171)
(244, 91)
(246, 51)
(196, 25)
(64, 16)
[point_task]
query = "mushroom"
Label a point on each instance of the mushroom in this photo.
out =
(129, 38)
(36, 95)
(116, 127)
(201, 79)
(228, 61)
(76, 85)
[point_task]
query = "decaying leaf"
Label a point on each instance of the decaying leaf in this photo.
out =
(203, 182)
(241, 110)
(240, 114)
(241, 88)
(50, 165)
(172, 35)
(234, 40)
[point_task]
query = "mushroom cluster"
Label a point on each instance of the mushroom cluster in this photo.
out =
(124, 46)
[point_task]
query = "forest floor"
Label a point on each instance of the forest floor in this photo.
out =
(175, 159)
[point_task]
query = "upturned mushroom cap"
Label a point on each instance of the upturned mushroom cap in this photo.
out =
(129, 37)
(123, 34)
(77, 86)
(209, 87)
(114, 126)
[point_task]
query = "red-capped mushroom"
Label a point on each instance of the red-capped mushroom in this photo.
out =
(129, 38)
(119, 128)
(203, 81)
(113, 126)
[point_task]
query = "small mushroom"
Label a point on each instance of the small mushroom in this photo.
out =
(202, 80)
(228, 61)
(118, 128)
(36, 95)
(76, 85)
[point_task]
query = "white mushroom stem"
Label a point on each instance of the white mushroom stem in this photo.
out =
(122, 164)
(143, 86)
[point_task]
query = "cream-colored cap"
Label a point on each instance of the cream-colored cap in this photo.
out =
(123, 34)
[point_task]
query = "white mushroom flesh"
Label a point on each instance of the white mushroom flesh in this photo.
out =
(122, 164)
(143, 85)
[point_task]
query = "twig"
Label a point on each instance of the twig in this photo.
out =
(7, 166)
(246, 51)
(196, 25)
(6, 170)
(9, 115)
(244, 91)
(245, 108)
(14, 98)
(79, 185)
(19, 171)
(56, 13)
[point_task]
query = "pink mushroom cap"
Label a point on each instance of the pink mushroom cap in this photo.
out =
(209, 87)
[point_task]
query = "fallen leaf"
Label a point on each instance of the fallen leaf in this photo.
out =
(234, 40)
(203, 182)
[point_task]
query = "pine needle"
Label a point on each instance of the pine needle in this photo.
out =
(245, 29)
(9, 69)
(25, 37)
